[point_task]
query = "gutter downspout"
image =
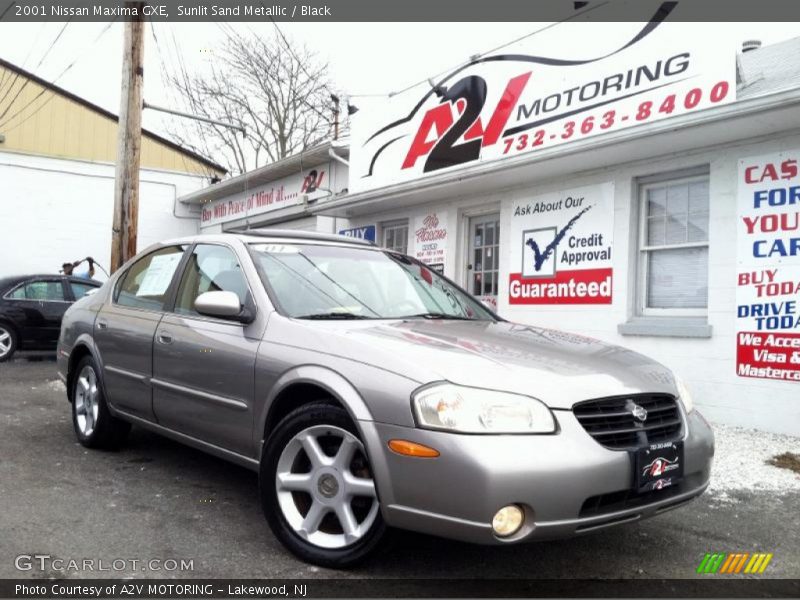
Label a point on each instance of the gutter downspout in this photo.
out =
(338, 158)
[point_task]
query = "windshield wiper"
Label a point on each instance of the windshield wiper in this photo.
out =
(438, 315)
(333, 316)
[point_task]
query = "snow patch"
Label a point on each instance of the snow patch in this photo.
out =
(740, 463)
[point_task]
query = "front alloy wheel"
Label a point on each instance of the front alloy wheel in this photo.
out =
(87, 406)
(321, 502)
(94, 425)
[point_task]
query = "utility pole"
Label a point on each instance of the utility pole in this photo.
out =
(129, 143)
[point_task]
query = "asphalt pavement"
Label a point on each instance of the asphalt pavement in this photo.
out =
(156, 499)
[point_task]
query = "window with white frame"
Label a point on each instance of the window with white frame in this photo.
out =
(395, 236)
(673, 256)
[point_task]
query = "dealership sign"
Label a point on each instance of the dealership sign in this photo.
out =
(519, 101)
(281, 193)
(768, 276)
(561, 247)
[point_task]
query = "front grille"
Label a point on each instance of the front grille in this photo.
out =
(611, 422)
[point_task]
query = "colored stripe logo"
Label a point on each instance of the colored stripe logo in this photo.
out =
(734, 563)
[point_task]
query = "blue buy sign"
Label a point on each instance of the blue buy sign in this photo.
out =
(363, 233)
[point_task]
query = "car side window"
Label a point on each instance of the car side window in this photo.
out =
(146, 283)
(79, 290)
(211, 268)
(43, 290)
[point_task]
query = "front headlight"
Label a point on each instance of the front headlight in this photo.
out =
(685, 395)
(474, 410)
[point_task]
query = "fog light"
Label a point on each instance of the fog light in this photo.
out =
(508, 520)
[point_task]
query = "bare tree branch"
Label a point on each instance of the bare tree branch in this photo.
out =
(279, 96)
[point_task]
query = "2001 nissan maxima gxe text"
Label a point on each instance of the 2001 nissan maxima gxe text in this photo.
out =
(370, 392)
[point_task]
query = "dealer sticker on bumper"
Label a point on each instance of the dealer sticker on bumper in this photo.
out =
(658, 466)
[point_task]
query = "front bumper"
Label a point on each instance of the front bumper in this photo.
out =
(567, 482)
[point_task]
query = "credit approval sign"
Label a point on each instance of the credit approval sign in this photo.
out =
(519, 100)
(561, 246)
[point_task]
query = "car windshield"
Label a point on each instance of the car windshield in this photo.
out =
(334, 282)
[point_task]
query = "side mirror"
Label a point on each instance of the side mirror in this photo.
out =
(224, 305)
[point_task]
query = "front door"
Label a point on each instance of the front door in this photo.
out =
(204, 367)
(483, 260)
(125, 327)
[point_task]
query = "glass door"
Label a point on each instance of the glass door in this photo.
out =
(483, 261)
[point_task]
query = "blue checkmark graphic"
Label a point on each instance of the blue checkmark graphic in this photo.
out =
(539, 256)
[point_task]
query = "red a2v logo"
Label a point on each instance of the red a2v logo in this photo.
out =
(459, 115)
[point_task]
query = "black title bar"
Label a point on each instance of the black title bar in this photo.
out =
(714, 586)
(397, 10)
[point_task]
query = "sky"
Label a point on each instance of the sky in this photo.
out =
(364, 58)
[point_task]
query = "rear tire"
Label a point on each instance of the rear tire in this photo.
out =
(94, 425)
(8, 342)
(317, 488)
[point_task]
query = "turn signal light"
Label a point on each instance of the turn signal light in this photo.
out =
(407, 448)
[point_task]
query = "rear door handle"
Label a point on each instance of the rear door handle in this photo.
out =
(101, 324)
(164, 337)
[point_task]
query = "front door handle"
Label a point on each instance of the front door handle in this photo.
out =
(164, 337)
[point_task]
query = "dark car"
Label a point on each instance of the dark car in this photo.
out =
(31, 308)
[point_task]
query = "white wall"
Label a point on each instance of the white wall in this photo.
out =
(54, 211)
(708, 365)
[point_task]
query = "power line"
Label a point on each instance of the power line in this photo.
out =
(482, 54)
(46, 89)
(165, 80)
(7, 73)
(182, 72)
(27, 81)
(6, 10)
(300, 63)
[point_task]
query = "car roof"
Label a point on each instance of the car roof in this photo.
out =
(12, 280)
(267, 234)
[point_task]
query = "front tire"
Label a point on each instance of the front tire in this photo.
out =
(94, 425)
(317, 488)
(8, 342)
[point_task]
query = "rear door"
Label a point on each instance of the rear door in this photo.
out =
(204, 367)
(125, 328)
(40, 305)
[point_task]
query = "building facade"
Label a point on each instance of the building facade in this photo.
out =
(279, 194)
(57, 167)
(650, 199)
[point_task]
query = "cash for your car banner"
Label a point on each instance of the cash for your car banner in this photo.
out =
(561, 247)
(768, 277)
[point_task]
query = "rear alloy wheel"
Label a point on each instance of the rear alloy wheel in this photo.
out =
(8, 342)
(94, 426)
(317, 488)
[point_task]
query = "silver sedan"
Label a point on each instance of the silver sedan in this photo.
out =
(370, 392)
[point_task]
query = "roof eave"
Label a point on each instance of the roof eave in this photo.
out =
(296, 163)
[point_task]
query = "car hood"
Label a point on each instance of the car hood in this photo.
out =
(556, 367)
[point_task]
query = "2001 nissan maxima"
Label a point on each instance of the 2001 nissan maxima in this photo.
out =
(370, 392)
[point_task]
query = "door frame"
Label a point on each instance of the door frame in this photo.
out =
(462, 247)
